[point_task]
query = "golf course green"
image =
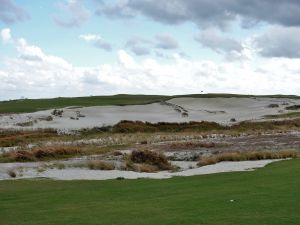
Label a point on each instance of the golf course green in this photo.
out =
(267, 196)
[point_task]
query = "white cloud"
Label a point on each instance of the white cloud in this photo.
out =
(97, 41)
(6, 35)
(90, 37)
(36, 74)
(279, 42)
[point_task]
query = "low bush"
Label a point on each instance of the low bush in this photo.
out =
(293, 107)
(151, 158)
(273, 106)
(12, 173)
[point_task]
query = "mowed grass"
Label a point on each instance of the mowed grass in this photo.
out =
(33, 105)
(268, 196)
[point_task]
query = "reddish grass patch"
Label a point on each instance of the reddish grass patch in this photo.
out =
(245, 156)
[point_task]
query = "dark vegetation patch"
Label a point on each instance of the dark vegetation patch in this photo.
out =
(148, 161)
(273, 106)
(285, 115)
(12, 173)
(293, 107)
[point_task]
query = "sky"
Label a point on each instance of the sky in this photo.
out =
(51, 48)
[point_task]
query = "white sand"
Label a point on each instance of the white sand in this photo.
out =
(208, 109)
(29, 171)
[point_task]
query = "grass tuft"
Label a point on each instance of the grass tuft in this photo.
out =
(12, 173)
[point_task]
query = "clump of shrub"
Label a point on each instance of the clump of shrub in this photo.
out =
(100, 165)
(117, 153)
(245, 156)
(233, 120)
(57, 112)
(273, 106)
(153, 160)
(12, 173)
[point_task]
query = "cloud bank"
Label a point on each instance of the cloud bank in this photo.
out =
(207, 13)
(34, 73)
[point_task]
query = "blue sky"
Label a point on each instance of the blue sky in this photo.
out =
(91, 47)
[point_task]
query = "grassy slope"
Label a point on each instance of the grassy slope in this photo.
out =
(285, 115)
(267, 196)
(32, 105)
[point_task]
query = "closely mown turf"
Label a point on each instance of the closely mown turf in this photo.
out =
(268, 196)
(32, 105)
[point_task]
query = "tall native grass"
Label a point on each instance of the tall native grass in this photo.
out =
(247, 156)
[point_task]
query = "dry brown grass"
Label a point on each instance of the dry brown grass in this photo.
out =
(245, 156)
(100, 165)
(190, 145)
(146, 168)
(10, 138)
(147, 161)
(151, 158)
(42, 153)
(203, 126)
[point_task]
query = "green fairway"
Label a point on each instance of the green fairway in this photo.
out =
(268, 196)
(33, 105)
